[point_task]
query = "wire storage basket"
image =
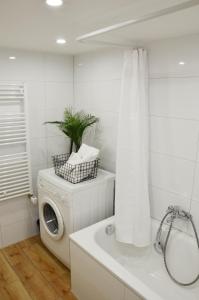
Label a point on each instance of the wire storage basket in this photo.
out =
(74, 173)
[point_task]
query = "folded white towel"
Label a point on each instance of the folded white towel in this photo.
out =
(88, 153)
(85, 154)
(73, 169)
(74, 159)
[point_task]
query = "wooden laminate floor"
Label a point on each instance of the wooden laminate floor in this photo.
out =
(28, 271)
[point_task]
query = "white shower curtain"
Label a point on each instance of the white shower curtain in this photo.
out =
(132, 207)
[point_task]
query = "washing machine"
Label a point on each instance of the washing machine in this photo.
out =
(65, 208)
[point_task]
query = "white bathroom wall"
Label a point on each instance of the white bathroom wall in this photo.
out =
(49, 82)
(174, 124)
(97, 90)
(174, 119)
(174, 116)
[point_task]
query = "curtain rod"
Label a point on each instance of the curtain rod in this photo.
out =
(106, 43)
(166, 11)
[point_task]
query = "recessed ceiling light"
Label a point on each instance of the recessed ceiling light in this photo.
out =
(61, 41)
(12, 57)
(181, 63)
(54, 2)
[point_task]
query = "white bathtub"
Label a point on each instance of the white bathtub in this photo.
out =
(103, 269)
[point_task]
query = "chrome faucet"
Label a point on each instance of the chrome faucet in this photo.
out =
(173, 213)
(177, 212)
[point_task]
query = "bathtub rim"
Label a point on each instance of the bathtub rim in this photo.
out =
(85, 240)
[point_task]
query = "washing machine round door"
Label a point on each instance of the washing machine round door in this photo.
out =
(52, 219)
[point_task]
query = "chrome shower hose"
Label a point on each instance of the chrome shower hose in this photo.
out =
(163, 248)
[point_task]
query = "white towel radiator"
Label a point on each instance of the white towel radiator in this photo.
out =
(15, 172)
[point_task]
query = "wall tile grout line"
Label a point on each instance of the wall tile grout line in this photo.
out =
(45, 127)
(173, 117)
(172, 76)
(169, 191)
(74, 94)
(172, 155)
(96, 80)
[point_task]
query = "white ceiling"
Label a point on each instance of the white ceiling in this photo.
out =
(182, 23)
(32, 25)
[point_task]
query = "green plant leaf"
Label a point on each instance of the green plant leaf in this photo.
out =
(74, 125)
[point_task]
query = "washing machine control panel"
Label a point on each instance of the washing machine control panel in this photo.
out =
(53, 191)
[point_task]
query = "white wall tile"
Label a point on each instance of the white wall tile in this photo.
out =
(56, 145)
(82, 91)
(174, 136)
(58, 68)
(172, 174)
(175, 97)
(198, 150)
(35, 171)
(166, 54)
(15, 232)
(196, 184)
(36, 96)
(36, 119)
(99, 65)
(17, 222)
(17, 215)
(52, 129)
(195, 213)
(98, 95)
(59, 95)
(161, 199)
(56, 114)
(108, 163)
(12, 207)
(28, 66)
(38, 152)
(104, 137)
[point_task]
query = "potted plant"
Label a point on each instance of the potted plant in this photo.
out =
(74, 126)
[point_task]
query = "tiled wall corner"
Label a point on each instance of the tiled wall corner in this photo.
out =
(174, 117)
(97, 81)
